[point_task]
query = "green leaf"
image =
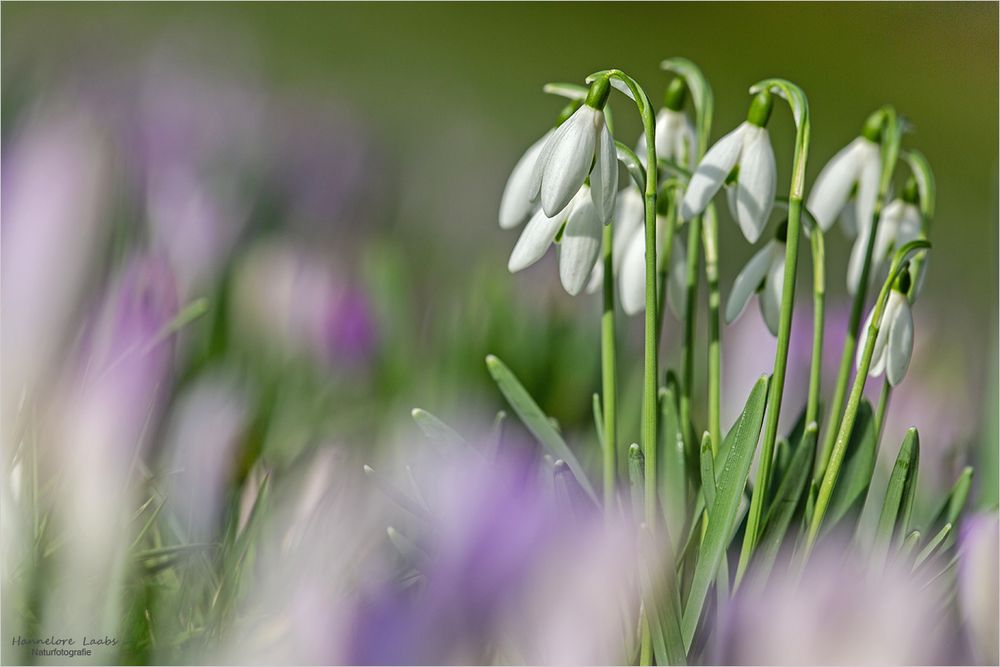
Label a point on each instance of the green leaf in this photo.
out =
(662, 606)
(572, 91)
(787, 498)
(636, 479)
(436, 430)
(722, 515)
(898, 498)
(598, 419)
(672, 474)
(954, 502)
(857, 476)
(395, 495)
(707, 470)
(931, 546)
(632, 165)
(536, 421)
(921, 169)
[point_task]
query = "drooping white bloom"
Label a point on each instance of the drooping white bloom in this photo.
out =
(749, 148)
(675, 138)
(632, 281)
(894, 342)
(630, 212)
(579, 246)
(565, 162)
(516, 204)
(899, 224)
(852, 172)
(764, 273)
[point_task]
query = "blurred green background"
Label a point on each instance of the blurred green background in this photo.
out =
(453, 94)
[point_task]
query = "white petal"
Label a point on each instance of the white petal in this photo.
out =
(856, 263)
(630, 214)
(580, 245)
(569, 162)
(899, 347)
(632, 277)
(535, 239)
(910, 225)
(604, 177)
(687, 144)
(677, 279)
(833, 186)
(868, 179)
(756, 184)
(888, 230)
(770, 296)
(880, 351)
(712, 172)
(749, 280)
(515, 204)
(535, 184)
(596, 279)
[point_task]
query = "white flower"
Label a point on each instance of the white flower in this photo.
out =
(853, 172)
(765, 272)
(565, 162)
(675, 138)
(899, 224)
(578, 249)
(749, 148)
(632, 281)
(894, 342)
(516, 203)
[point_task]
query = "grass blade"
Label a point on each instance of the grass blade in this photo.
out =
(672, 471)
(857, 475)
(731, 482)
(898, 496)
(536, 421)
(436, 430)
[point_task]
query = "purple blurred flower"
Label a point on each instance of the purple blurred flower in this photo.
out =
(511, 573)
(55, 186)
(291, 299)
(978, 585)
(837, 613)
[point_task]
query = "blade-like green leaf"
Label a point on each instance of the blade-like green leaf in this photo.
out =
(857, 476)
(788, 497)
(536, 421)
(636, 479)
(931, 546)
(707, 470)
(954, 502)
(731, 482)
(436, 430)
(672, 475)
(894, 511)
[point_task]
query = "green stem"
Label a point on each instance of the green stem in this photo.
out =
(819, 299)
(650, 364)
(883, 407)
(609, 373)
(890, 153)
(687, 351)
(854, 400)
(800, 110)
(663, 268)
(710, 239)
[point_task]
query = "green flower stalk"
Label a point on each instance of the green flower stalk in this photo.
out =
(891, 132)
(800, 111)
(871, 340)
(634, 91)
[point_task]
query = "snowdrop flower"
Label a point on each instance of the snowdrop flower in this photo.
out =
(675, 136)
(894, 343)
(899, 224)
(852, 172)
(747, 150)
(579, 245)
(630, 211)
(580, 147)
(764, 273)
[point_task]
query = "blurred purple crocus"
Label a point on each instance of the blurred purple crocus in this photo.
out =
(836, 613)
(978, 585)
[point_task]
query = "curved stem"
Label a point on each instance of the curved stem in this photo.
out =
(854, 400)
(649, 406)
(890, 152)
(609, 373)
(800, 110)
